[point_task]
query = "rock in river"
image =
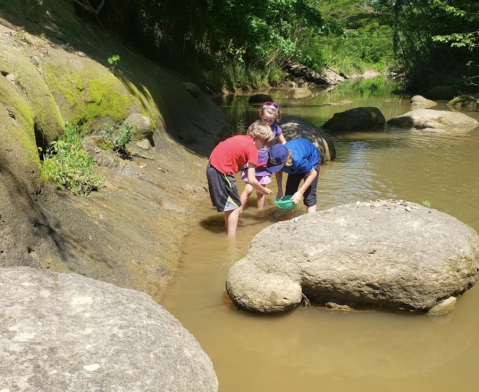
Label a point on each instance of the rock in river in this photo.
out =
(356, 119)
(297, 127)
(436, 119)
(65, 332)
(387, 253)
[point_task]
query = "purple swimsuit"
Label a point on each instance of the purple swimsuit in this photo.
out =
(262, 175)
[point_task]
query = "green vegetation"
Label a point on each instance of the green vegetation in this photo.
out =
(435, 40)
(113, 61)
(235, 44)
(426, 203)
(116, 139)
(69, 166)
(353, 38)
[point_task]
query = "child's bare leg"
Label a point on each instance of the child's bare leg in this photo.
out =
(248, 189)
(231, 221)
(260, 200)
(310, 209)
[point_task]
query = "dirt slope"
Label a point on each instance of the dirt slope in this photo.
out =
(54, 70)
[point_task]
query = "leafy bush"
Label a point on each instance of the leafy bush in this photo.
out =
(116, 140)
(276, 76)
(68, 165)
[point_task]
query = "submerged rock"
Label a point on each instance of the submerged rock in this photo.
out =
(64, 332)
(301, 92)
(463, 102)
(392, 253)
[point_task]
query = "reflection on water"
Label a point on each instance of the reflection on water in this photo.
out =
(311, 349)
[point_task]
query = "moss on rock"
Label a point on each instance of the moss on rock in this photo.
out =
(19, 153)
(88, 99)
(27, 79)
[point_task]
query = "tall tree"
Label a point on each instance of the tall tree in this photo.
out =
(423, 31)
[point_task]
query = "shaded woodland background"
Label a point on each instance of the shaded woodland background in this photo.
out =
(233, 44)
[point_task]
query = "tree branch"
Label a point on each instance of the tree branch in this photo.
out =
(85, 4)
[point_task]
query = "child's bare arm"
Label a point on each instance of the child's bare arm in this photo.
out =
(254, 182)
(299, 194)
(281, 138)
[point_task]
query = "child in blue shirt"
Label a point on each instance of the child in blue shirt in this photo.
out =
(300, 159)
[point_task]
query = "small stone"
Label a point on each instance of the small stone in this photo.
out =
(443, 308)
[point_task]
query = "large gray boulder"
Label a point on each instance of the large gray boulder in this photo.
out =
(424, 119)
(296, 127)
(357, 119)
(65, 332)
(391, 253)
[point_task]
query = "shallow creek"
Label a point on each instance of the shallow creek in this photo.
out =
(311, 349)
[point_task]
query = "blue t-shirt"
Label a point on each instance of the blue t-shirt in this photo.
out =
(305, 156)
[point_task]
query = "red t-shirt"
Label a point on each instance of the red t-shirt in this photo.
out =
(232, 154)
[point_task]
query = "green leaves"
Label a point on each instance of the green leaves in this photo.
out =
(118, 139)
(113, 60)
(69, 166)
(434, 39)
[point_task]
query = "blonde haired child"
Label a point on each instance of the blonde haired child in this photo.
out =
(226, 159)
(270, 113)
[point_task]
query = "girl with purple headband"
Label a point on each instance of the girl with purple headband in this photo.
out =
(269, 113)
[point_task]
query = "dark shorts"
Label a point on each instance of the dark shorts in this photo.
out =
(223, 192)
(292, 186)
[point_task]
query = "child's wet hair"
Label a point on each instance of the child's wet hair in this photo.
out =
(263, 132)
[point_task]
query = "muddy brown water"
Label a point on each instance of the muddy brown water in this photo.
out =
(311, 349)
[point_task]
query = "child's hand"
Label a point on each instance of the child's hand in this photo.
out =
(279, 195)
(268, 191)
(297, 197)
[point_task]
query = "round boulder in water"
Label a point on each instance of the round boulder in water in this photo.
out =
(297, 127)
(418, 101)
(357, 119)
(388, 253)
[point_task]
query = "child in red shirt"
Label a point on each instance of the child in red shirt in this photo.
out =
(228, 158)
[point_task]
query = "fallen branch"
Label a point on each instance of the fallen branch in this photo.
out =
(85, 4)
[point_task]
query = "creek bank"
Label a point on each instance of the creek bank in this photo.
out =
(388, 253)
(129, 233)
